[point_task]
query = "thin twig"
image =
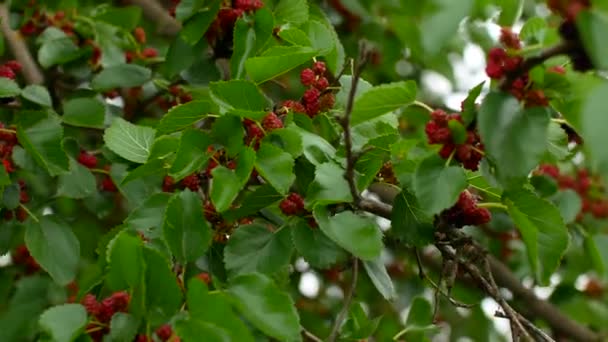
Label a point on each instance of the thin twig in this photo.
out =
(311, 336)
(347, 300)
(30, 70)
(155, 13)
(560, 49)
(534, 329)
(351, 159)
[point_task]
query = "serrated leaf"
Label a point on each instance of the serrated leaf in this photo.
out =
(542, 229)
(129, 141)
(329, 185)
(185, 228)
(123, 327)
(126, 261)
(382, 281)
(64, 322)
(191, 154)
(250, 36)
(8, 88)
(315, 247)
(592, 26)
(185, 115)
(84, 112)
(163, 294)
(126, 17)
(410, 222)
(226, 184)
(291, 11)
(37, 94)
(41, 134)
(252, 202)
(215, 308)
(266, 306)
(238, 94)
(195, 27)
(383, 99)
(149, 217)
(276, 61)
(255, 248)
(54, 246)
(121, 76)
(58, 51)
(591, 125)
(469, 108)
(78, 183)
(363, 238)
(569, 204)
(276, 166)
(437, 187)
(514, 137)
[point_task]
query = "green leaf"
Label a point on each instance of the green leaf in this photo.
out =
(437, 187)
(255, 248)
(316, 149)
(569, 204)
(8, 88)
(78, 183)
(276, 61)
(335, 58)
(287, 139)
(149, 217)
(185, 115)
(192, 330)
(542, 229)
(41, 134)
(253, 202)
(125, 17)
(226, 184)
(195, 27)
(191, 154)
(381, 100)
(315, 247)
(123, 327)
(37, 94)
(238, 94)
(121, 76)
(437, 29)
(591, 125)
(419, 322)
(410, 222)
(215, 308)
(64, 322)
(126, 261)
(514, 138)
(185, 229)
(363, 238)
(54, 246)
(58, 51)
(276, 166)
(329, 185)
(84, 112)
(150, 168)
(250, 36)
(534, 30)
(469, 107)
(294, 35)
(182, 55)
(382, 281)
(593, 26)
(320, 36)
(228, 131)
(266, 306)
(129, 141)
(291, 11)
(557, 142)
(511, 11)
(163, 294)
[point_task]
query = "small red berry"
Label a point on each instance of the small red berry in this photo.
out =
(87, 159)
(322, 83)
(319, 68)
(91, 304)
(7, 72)
(8, 165)
(271, 122)
(307, 77)
(164, 332)
(192, 182)
(119, 301)
(168, 184)
(311, 95)
(149, 53)
(292, 205)
(140, 35)
(129, 56)
(13, 65)
(205, 277)
(108, 185)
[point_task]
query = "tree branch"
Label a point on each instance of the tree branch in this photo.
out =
(154, 12)
(560, 49)
(18, 47)
(347, 300)
(503, 277)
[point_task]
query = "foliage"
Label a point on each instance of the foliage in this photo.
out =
(178, 173)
